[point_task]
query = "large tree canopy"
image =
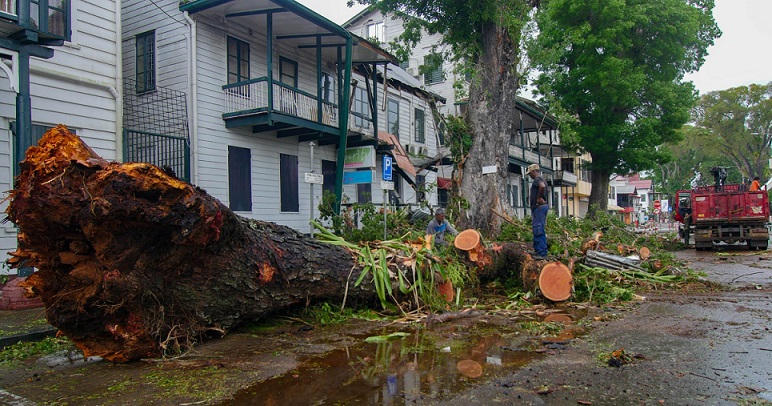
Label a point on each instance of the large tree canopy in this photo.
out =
(618, 67)
(739, 121)
(692, 159)
(486, 36)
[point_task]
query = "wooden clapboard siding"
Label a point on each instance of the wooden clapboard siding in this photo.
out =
(74, 88)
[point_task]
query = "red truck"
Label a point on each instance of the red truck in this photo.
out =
(723, 213)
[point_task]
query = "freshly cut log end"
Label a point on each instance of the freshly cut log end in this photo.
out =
(556, 282)
(467, 240)
(644, 253)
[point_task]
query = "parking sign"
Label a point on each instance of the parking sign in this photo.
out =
(387, 167)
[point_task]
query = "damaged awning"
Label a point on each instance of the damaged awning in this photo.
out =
(399, 153)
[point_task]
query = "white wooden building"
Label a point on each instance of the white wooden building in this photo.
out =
(263, 81)
(58, 66)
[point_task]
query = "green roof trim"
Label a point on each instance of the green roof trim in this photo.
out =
(195, 6)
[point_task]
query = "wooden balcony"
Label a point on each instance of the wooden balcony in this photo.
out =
(565, 178)
(530, 156)
(248, 102)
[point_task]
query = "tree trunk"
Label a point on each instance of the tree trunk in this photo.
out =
(599, 191)
(492, 118)
(133, 262)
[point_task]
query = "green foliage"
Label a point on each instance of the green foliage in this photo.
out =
(618, 67)
(401, 273)
(24, 350)
(738, 122)
(460, 22)
(364, 221)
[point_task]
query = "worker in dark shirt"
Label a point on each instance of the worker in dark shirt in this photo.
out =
(539, 209)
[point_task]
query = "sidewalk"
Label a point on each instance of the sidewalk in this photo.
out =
(23, 325)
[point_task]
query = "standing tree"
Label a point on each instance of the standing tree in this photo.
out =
(740, 122)
(486, 34)
(618, 67)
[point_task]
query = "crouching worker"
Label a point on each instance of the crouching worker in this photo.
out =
(438, 227)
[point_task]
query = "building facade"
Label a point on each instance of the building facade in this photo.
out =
(279, 99)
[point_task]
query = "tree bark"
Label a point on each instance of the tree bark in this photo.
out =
(599, 191)
(492, 118)
(133, 262)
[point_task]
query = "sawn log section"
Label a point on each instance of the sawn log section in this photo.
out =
(133, 262)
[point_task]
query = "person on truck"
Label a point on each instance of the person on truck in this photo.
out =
(755, 185)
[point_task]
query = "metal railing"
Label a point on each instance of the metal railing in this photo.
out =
(165, 151)
(8, 6)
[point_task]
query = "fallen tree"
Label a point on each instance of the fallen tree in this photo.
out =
(134, 263)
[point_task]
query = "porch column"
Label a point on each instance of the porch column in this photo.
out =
(343, 108)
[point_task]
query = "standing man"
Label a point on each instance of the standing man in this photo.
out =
(438, 227)
(539, 208)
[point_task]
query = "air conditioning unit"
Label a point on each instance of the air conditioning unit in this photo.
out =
(413, 71)
(422, 151)
(411, 150)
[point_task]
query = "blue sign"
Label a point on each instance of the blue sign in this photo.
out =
(387, 167)
(356, 177)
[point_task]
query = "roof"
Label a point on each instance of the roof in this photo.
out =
(358, 16)
(396, 73)
(613, 207)
(626, 190)
(400, 156)
(299, 27)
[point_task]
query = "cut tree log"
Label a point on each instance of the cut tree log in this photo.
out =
(133, 262)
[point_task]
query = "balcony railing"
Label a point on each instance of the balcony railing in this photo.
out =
(251, 97)
(566, 177)
(530, 156)
(8, 7)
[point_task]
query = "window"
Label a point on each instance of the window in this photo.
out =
(612, 191)
(375, 31)
(393, 117)
(51, 17)
(239, 179)
(145, 49)
(442, 197)
(420, 126)
(329, 170)
(361, 108)
(288, 72)
(364, 192)
(327, 84)
(238, 60)
(513, 192)
(288, 173)
(420, 188)
(435, 76)
(395, 196)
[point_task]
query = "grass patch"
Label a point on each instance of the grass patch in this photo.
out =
(21, 351)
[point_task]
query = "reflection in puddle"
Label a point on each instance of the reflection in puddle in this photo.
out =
(391, 373)
(419, 367)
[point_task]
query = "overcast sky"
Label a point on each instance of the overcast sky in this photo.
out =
(740, 57)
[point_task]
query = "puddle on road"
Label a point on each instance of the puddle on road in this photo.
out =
(421, 366)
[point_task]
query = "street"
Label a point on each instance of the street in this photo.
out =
(695, 346)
